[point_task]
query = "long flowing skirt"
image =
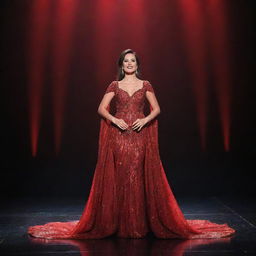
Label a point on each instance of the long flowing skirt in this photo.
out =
(130, 195)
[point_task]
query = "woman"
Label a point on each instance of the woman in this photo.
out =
(130, 195)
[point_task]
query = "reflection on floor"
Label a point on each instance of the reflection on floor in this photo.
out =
(17, 215)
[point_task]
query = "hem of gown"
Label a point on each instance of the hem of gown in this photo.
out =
(60, 231)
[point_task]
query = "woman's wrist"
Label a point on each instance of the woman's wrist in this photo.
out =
(147, 119)
(112, 119)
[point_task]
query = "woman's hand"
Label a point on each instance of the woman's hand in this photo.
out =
(120, 123)
(139, 123)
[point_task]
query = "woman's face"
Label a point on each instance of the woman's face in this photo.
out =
(129, 63)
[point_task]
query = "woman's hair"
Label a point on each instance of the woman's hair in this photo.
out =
(120, 74)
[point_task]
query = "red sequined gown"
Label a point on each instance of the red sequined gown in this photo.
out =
(130, 194)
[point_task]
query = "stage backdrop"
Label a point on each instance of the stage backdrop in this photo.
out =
(59, 56)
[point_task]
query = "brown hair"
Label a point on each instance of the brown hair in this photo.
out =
(120, 74)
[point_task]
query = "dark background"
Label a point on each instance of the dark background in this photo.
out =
(98, 33)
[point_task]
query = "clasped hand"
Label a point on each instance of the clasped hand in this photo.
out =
(138, 124)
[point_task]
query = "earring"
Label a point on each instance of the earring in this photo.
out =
(122, 71)
(136, 72)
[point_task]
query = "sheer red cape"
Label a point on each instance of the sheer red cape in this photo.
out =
(164, 215)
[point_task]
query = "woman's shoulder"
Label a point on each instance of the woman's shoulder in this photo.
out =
(148, 86)
(111, 86)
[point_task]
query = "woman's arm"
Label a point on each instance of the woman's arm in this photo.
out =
(154, 104)
(139, 123)
(102, 109)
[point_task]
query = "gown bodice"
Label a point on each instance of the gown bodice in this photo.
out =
(129, 107)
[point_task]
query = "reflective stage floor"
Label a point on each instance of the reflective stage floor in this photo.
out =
(16, 215)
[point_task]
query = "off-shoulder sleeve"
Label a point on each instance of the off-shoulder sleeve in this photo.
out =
(149, 87)
(111, 87)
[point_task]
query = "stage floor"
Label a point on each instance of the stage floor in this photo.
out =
(17, 214)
